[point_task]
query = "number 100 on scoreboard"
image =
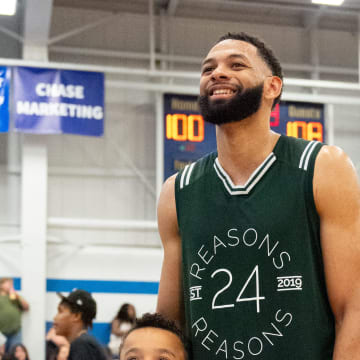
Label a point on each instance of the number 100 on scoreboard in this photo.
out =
(182, 127)
(187, 137)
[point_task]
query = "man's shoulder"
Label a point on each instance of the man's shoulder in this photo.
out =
(195, 170)
(86, 347)
(83, 338)
(296, 143)
(297, 152)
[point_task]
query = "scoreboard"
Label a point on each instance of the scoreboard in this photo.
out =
(187, 137)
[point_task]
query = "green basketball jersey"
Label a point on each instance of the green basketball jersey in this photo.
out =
(254, 285)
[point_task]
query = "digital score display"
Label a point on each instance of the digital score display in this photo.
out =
(299, 119)
(187, 137)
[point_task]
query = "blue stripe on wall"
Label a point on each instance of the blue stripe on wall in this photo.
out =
(98, 286)
(17, 284)
(104, 286)
(101, 331)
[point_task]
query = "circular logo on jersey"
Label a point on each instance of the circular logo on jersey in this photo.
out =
(239, 287)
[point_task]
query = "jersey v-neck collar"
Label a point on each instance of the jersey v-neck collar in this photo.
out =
(254, 178)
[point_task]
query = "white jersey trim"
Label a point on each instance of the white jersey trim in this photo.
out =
(252, 181)
(185, 176)
(305, 156)
(182, 179)
(189, 174)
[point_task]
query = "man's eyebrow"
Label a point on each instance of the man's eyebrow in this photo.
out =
(238, 56)
(232, 56)
(206, 61)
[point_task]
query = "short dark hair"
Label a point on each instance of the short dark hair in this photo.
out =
(265, 52)
(157, 321)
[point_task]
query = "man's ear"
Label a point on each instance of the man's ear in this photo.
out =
(272, 88)
(76, 317)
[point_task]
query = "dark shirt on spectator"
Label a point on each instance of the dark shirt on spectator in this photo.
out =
(85, 347)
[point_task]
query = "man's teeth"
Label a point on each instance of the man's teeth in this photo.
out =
(223, 92)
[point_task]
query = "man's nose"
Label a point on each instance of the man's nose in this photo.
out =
(219, 73)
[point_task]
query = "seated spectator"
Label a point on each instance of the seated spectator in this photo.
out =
(154, 337)
(11, 307)
(75, 315)
(19, 352)
(121, 324)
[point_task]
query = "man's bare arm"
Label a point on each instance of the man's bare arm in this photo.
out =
(170, 298)
(337, 198)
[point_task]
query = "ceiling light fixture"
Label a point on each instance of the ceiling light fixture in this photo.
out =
(328, 2)
(7, 7)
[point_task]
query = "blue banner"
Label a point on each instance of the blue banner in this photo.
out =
(4, 98)
(50, 101)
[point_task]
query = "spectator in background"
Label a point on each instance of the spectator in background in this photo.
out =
(19, 352)
(154, 337)
(124, 320)
(11, 307)
(75, 315)
(2, 345)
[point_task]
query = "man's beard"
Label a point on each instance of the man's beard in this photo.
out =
(222, 111)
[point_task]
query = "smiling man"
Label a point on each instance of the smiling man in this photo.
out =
(75, 315)
(261, 238)
(153, 338)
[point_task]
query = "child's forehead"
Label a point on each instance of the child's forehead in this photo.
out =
(153, 339)
(149, 331)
